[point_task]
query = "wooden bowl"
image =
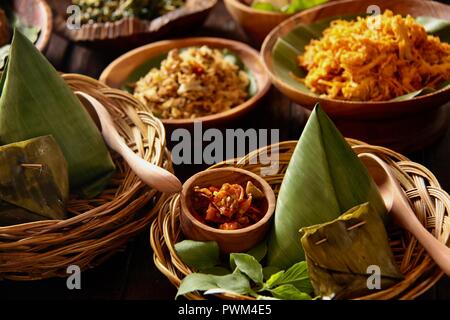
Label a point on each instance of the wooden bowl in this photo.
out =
(401, 125)
(126, 34)
(36, 13)
(228, 240)
(118, 73)
(256, 23)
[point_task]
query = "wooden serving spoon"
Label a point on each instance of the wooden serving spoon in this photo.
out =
(152, 175)
(398, 206)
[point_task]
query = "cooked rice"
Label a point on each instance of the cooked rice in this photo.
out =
(191, 83)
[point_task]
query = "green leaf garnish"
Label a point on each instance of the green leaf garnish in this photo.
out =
(248, 265)
(198, 255)
(235, 282)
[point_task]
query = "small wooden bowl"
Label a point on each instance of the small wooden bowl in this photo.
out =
(401, 125)
(36, 13)
(119, 71)
(256, 23)
(228, 240)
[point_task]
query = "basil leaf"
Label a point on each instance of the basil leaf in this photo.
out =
(216, 271)
(248, 265)
(296, 275)
(258, 252)
(197, 254)
(289, 292)
(269, 271)
(236, 283)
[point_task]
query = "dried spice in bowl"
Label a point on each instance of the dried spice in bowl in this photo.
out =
(101, 11)
(229, 207)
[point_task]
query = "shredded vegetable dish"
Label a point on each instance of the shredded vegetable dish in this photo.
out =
(191, 83)
(229, 207)
(376, 58)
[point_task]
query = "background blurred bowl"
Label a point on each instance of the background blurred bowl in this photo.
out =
(256, 23)
(228, 240)
(401, 125)
(136, 63)
(35, 13)
(126, 34)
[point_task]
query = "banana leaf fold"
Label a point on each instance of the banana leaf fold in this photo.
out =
(350, 256)
(34, 182)
(35, 101)
(324, 179)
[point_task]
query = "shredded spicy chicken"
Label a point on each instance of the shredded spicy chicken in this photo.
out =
(376, 58)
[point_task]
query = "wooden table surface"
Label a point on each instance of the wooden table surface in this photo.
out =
(131, 274)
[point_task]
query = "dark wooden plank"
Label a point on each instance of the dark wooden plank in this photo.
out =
(57, 50)
(104, 282)
(144, 280)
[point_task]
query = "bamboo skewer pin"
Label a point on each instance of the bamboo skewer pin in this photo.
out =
(359, 224)
(32, 165)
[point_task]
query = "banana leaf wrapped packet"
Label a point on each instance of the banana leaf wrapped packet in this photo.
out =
(324, 178)
(34, 182)
(35, 101)
(343, 254)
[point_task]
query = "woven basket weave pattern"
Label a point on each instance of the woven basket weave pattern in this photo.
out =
(102, 225)
(431, 205)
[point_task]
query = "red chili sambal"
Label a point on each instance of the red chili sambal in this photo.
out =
(229, 207)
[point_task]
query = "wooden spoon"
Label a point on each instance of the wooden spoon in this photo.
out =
(398, 205)
(152, 175)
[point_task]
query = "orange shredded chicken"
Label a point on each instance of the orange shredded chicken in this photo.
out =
(376, 58)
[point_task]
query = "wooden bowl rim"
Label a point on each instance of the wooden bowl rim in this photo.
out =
(146, 26)
(46, 27)
(277, 32)
(210, 41)
(267, 190)
(243, 7)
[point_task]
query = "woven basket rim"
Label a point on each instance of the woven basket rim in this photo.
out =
(424, 273)
(99, 226)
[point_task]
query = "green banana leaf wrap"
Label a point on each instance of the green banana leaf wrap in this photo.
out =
(324, 178)
(35, 101)
(346, 255)
(34, 182)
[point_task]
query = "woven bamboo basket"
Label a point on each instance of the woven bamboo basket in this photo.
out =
(100, 226)
(430, 203)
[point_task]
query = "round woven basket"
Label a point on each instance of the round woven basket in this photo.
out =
(99, 226)
(430, 203)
